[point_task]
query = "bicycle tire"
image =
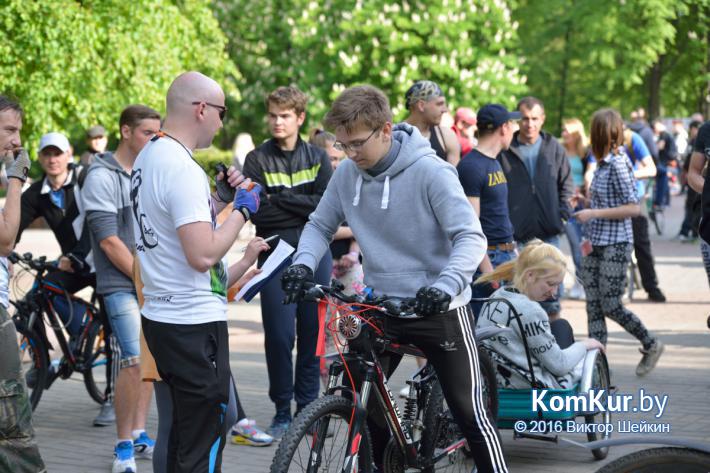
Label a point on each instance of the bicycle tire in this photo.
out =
(440, 431)
(601, 381)
(333, 407)
(36, 365)
(660, 460)
(95, 358)
(490, 387)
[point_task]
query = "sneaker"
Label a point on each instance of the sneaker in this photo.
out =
(123, 460)
(107, 415)
(143, 446)
(245, 432)
(656, 296)
(404, 392)
(650, 358)
(279, 425)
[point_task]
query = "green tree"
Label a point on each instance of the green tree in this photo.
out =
(468, 47)
(74, 64)
(582, 55)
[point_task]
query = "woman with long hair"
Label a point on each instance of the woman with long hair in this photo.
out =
(574, 140)
(613, 201)
(557, 359)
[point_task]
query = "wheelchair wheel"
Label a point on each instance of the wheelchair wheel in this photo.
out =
(600, 381)
(660, 460)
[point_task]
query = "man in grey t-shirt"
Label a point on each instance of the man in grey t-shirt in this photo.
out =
(107, 201)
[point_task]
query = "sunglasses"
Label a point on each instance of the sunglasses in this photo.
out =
(222, 109)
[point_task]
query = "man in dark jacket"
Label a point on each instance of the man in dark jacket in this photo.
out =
(293, 176)
(57, 198)
(539, 181)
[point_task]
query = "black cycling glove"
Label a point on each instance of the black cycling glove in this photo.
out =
(430, 301)
(293, 282)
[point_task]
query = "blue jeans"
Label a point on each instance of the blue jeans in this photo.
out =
(573, 230)
(497, 258)
(661, 197)
(125, 319)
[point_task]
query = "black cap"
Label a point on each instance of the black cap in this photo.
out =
(493, 115)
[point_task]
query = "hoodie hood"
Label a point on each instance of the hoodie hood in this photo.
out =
(106, 160)
(412, 147)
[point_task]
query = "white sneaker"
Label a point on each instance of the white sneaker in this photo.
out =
(404, 392)
(124, 461)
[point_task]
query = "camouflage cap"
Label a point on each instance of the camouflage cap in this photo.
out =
(422, 90)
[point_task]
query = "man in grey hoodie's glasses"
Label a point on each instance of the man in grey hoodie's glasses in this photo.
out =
(419, 237)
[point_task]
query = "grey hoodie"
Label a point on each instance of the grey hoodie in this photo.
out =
(554, 367)
(107, 202)
(413, 222)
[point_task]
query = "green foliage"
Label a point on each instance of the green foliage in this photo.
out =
(74, 64)
(468, 47)
(582, 55)
(210, 157)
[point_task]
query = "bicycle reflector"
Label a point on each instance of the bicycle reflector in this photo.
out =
(350, 326)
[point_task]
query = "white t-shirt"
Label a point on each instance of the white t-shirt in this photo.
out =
(168, 190)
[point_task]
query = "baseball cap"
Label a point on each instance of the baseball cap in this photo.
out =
(96, 131)
(493, 115)
(54, 139)
(465, 114)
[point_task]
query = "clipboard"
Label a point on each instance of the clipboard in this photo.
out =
(277, 260)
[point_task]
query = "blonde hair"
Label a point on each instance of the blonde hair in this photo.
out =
(537, 256)
(575, 128)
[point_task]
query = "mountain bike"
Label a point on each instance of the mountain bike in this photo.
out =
(85, 351)
(331, 434)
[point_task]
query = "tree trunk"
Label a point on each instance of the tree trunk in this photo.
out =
(563, 76)
(655, 76)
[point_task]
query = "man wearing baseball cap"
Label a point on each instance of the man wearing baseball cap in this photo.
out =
(465, 129)
(486, 188)
(57, 198)
(97, 141)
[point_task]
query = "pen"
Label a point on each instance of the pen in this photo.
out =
(271, 238)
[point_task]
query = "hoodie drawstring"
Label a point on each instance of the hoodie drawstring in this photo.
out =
(358, 186)
(386, 194)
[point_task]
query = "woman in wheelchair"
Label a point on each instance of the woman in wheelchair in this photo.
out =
(557, 359)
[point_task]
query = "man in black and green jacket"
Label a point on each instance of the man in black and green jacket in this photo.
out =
(293, 176)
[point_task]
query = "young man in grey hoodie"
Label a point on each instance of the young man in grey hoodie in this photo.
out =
(418, 236)
(107, 202)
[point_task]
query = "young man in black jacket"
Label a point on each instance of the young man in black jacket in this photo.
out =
(539, 181)
(293, 176)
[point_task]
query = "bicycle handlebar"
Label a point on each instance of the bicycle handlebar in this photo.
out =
(392, 306)
(38, 264)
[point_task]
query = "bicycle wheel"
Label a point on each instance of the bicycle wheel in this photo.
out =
(440, 434)
(490, 385)
(326, 451)
(600, 381)
(96, 359)
(34, 360)
(660, 460)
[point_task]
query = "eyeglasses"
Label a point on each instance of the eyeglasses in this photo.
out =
(355, 146)
(222, 109)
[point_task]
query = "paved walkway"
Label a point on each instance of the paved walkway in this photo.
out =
(70, 444)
